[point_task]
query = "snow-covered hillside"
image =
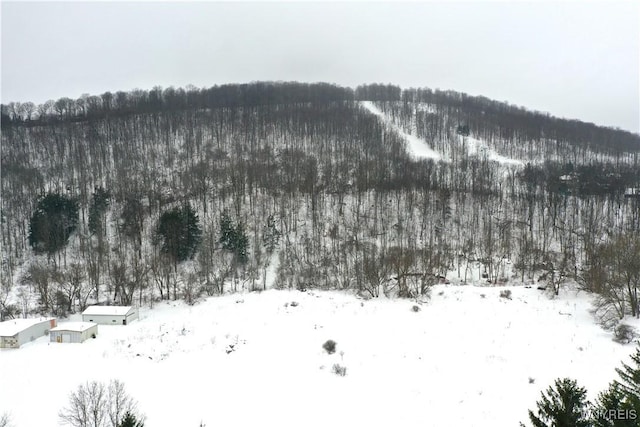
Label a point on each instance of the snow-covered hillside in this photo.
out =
(467, 358)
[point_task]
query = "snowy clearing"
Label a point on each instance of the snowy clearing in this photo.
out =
(464, 359)
(477, 147)
(417, 147)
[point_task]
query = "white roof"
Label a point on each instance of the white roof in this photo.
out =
(9, 328)
(107, 310)
(74, 326)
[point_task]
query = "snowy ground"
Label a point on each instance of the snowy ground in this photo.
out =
(465, 359)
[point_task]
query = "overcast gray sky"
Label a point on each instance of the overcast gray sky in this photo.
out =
(570, 59)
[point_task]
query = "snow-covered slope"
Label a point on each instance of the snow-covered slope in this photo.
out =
(477, 147)
(419, 148)
(465, 359)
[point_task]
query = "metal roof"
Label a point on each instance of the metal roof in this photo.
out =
(108, 310)
(74, 326)
(10, 328)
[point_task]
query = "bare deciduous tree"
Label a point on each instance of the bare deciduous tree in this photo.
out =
(95, 404)
(614, 275)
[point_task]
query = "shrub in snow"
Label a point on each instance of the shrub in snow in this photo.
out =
(624, 333)
(293, 304)
(606, 314)
(329, 346)
(339, 370)
(415, 308)
(505, 294)
(4, 420)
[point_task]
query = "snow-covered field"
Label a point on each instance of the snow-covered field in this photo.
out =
(465, 359)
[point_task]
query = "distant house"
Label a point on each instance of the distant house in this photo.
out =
(632, 192)
(73, 332)
(110, 314)
(14, 333)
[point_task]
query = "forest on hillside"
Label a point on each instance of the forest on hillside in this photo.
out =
(131, 197)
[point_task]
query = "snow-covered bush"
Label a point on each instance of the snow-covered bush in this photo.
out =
(624, 333)
(329, 346)
(415, 308)
(5, 420)
(339, 370)
(505, 294)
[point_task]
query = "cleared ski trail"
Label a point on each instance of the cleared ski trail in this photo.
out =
(417, 146)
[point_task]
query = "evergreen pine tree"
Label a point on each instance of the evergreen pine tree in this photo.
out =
(271, 235)
(98, 207)
(233, 238)
(55, 218)
(130, 420)
(619, 406)
(227, 232)
(562, 406)
(241, 242)
(180, 233)
(612, 410)
(629, 381)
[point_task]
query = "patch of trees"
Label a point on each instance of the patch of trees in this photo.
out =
(594, 179)
(378, 92)
(93, 107)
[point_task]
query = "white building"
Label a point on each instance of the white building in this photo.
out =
(110, 314)
(76, 332)
(632, 192)
(15, 332)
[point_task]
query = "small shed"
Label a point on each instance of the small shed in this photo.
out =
(15, 332)
(110, 314)
(76, 332)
